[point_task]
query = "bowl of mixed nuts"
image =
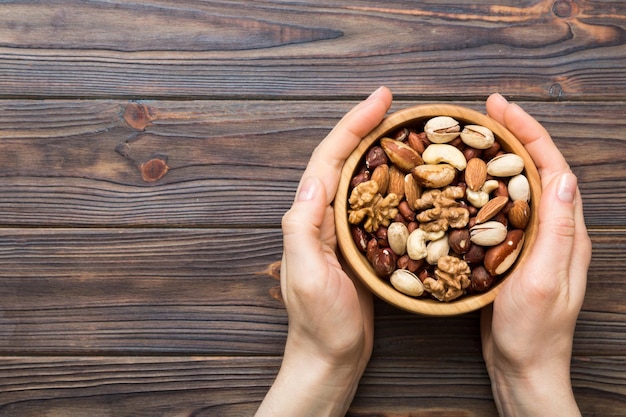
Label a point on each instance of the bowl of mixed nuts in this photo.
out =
(436, 207)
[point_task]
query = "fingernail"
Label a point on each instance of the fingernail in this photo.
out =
(566, 190)
(375, 93)
(308, 189)
(500, 98)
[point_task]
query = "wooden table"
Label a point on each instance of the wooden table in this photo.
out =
(149, 149)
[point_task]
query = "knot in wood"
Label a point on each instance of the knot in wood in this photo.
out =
(154, 169)
(563, 8)
(137, 116)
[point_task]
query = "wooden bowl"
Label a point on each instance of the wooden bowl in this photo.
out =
(359, 263)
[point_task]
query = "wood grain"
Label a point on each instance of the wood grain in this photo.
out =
(210, 386)
(149, 149)
(77, 163)
(202, 291)
(551, 50)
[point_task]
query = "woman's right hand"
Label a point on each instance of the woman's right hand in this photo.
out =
(527, 333)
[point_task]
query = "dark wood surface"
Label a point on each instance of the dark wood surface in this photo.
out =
(148, 150)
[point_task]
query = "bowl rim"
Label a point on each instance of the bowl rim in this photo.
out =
(357, 261)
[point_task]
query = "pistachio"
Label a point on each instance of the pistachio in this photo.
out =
(505, 165)
(434, 176)
(478, 137)
(436, 249)
(519, 188)
(442, 129)
(441, 152)
(397, 236)
(406, 282)
(488, 234)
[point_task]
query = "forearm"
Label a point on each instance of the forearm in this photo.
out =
(310, 387)
(545, 394)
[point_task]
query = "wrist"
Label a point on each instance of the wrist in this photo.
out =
(547, 392)
(309, 385)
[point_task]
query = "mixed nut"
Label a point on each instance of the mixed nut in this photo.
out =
(440, 209)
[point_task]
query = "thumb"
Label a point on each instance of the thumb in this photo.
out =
(302, 236)
(552, 253)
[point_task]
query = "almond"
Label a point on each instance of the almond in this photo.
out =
(475, 173)
(490, 209)
(396, 182)
(381, 176)
(412, 190)
(519, 214)
(401, 154)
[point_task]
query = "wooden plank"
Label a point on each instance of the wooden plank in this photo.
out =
(225, 386)
(78, 163)
(540, 50)
(203, 291)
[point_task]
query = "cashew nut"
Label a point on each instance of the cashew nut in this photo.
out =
(441, 152)
(416, 243)
(481, 197)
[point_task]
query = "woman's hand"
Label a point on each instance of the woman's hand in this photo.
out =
(330, 315)
(527, 333)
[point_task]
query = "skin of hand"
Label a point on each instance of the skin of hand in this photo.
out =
(527, 333)
(330, 333)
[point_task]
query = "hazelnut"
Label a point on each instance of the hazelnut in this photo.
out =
(481, 279)
(459, 240)
(474, 255)
(375, 157)
(360, 238)
(384, 262)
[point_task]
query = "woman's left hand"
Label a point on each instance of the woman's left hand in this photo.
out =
(330, 314)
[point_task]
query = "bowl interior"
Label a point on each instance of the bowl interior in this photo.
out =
(359, 263)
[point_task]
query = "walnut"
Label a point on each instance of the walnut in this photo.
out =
(441, 210)
(368, 204)
(452, 278)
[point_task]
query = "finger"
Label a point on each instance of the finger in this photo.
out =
(581, 255)
(495, 107)
(303, 252)
(556, 236)
(531, 133)
(331, 153)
